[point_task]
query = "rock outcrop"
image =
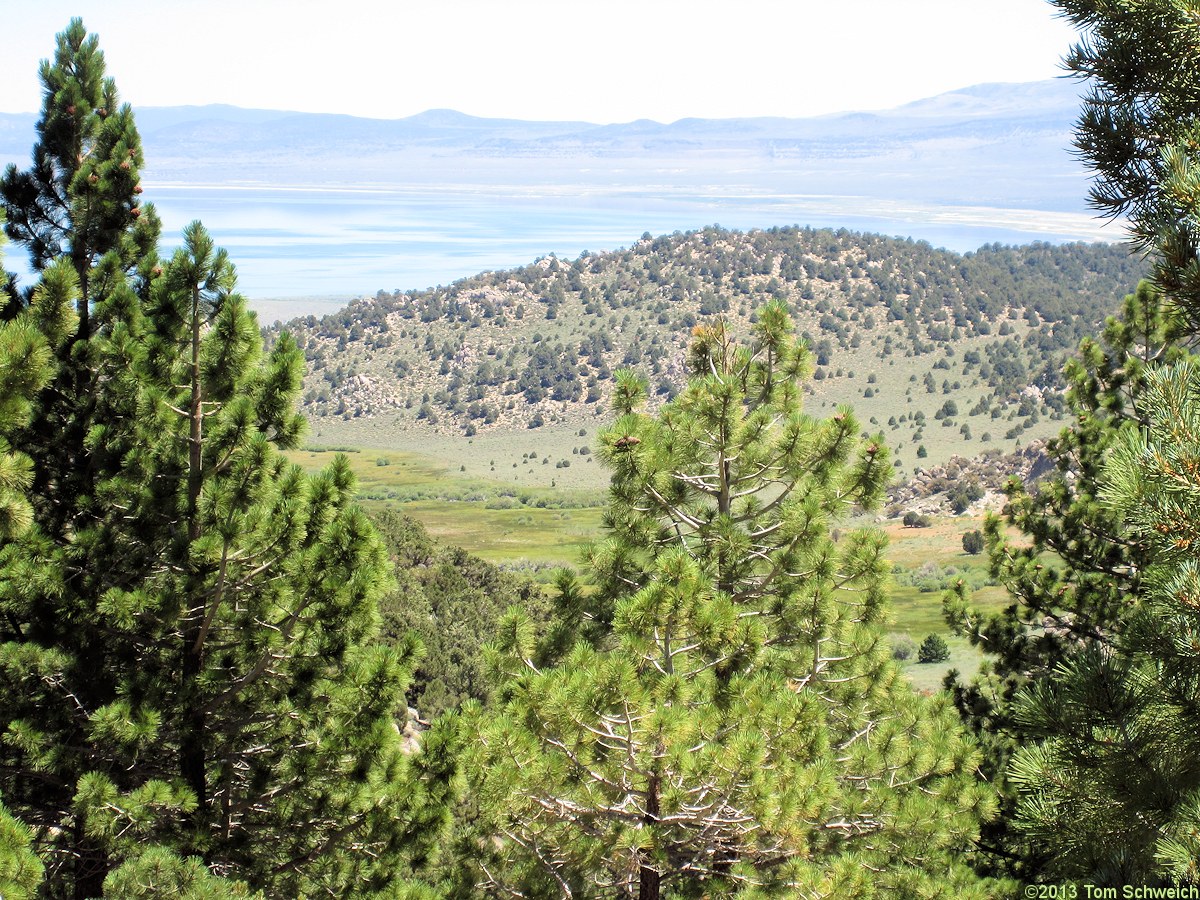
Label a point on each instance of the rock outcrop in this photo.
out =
(928, 491)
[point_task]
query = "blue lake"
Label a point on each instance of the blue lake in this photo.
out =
(312, 249)
(319, 207)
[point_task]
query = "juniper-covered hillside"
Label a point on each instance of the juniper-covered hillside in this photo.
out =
(888, 319)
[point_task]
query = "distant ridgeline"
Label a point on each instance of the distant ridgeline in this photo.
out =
(889, 321)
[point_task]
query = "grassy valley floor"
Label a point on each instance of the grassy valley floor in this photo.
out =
(543, 518)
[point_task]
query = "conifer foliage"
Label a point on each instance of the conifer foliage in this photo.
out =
(192, 702)
(1109, 792)
(77, 211)
(80, 198)
(1139, 128)
(730, 719)
(24, 370)
(1077, 574)
(1111, 789)
(1074, 571)
(734, 473)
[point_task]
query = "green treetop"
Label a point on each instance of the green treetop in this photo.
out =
(191, 694)
(734, 473)
(80, 198)
(730, 719)
(77, 212)
(1140, 128)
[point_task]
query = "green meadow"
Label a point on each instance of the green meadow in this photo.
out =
(518, 527)
(536, 528)
(926, 561)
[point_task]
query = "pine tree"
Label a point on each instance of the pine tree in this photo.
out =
(280, 574)
(729, 719)
(1140, 126)
(191, 697)
(24, 370)
(1073, 570)
(1111, 789)
(933, 649)
(236, 710)
(736, 474)
(1078, 576)
(20, 869)
(1114, 685)
(79, 208)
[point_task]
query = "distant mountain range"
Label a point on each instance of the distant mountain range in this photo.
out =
(441, 195)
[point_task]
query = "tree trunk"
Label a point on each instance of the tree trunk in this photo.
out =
(91, 866)
(195, 724)
(196, 427)
(649, 879)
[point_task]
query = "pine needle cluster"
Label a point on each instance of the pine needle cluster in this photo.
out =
(1112, 789)
(192, 698)
(720, 715)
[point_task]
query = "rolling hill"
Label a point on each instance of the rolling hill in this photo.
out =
(948, 354)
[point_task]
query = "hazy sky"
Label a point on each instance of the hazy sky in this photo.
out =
(610, 61)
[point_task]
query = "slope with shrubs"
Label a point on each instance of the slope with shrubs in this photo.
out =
(453, 602)
(904, 332)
